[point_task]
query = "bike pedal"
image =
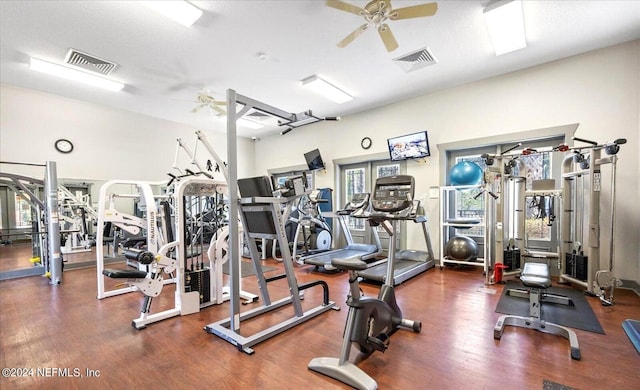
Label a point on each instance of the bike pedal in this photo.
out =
(380, 342)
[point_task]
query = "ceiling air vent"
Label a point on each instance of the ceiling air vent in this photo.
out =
(260, 116)
(89, 62)
(415, 60)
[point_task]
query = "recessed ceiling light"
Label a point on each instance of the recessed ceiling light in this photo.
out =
(505, 22)
(74, 74)
(326, 89)
(182, 12)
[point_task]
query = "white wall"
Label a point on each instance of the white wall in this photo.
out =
(599, 90)
(108, 143)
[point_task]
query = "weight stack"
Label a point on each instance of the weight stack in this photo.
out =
(200, 281)
(576, 266)
(511, 259)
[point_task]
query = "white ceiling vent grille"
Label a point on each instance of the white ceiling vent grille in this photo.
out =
(257, 115)
(416, 60)
(89, 62)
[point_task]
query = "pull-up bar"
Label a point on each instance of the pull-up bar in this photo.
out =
(288, 119)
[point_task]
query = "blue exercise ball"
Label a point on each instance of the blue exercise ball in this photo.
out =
(462, 248)
(465, 173)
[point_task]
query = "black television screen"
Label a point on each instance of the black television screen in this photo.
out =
(314, 161)
(409, 146)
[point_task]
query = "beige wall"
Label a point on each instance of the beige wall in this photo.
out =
(599, 90)
(109, 143)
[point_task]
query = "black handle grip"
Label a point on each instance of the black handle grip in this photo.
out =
(584, 140)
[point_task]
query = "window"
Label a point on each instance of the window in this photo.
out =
(468, 204)
(355, 182)
(539, 209)
(536, 166)
(388, 170)
(23, 212)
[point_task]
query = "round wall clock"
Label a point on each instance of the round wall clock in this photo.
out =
(365, 143)
(64, 146)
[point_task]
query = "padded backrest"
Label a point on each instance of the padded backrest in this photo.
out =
(255, 186)
(257, 221)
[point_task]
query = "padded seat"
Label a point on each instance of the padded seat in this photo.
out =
(536, 277)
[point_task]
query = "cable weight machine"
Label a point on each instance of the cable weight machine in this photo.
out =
(581, 246)
(575, 207)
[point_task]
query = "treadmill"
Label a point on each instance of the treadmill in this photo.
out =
(390, 198)
(358, 205)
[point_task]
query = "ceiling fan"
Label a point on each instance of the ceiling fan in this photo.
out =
(376, 13)
(205, 99)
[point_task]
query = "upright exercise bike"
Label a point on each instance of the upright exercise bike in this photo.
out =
(372, 321)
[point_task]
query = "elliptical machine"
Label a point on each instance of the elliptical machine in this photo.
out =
(372, 321)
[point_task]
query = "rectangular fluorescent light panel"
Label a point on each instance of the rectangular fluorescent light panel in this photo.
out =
(73, 74)
(505, 22)
(181, 11)
(327, 90)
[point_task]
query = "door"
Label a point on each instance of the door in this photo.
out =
(384, 169)
(361, 177)
(356, 179)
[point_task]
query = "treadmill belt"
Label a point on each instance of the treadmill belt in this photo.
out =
(325, 258)
(404, 269)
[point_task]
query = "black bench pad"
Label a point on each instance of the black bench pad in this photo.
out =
(124, 273)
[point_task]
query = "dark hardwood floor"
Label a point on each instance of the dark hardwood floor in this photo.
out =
(66, 327)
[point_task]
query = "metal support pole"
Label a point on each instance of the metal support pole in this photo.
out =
(202, 138)
(232, 181)
(613, 214)
(594, 218)
(191, 154)
(53, 226)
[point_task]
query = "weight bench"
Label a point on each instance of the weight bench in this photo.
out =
(536, 278)
(149, 283)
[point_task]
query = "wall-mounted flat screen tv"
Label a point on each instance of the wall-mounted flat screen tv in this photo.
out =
(409, 146)
(314, 160)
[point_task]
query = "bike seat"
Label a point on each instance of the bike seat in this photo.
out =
(354, 263)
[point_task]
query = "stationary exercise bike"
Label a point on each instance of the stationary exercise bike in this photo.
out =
(372, 321)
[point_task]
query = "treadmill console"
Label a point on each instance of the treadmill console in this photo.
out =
(358, 201)
(393, 193)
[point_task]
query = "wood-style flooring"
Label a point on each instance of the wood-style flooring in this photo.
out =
(66, 327)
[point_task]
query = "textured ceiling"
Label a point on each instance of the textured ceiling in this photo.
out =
(263, 49)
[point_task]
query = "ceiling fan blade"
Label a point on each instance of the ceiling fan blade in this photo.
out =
(217, 109)
(416, 11)
(349, 38)
(387, 37)
(342, 6)
(207, 99)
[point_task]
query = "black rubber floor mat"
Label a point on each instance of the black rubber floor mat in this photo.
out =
(578, 316)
